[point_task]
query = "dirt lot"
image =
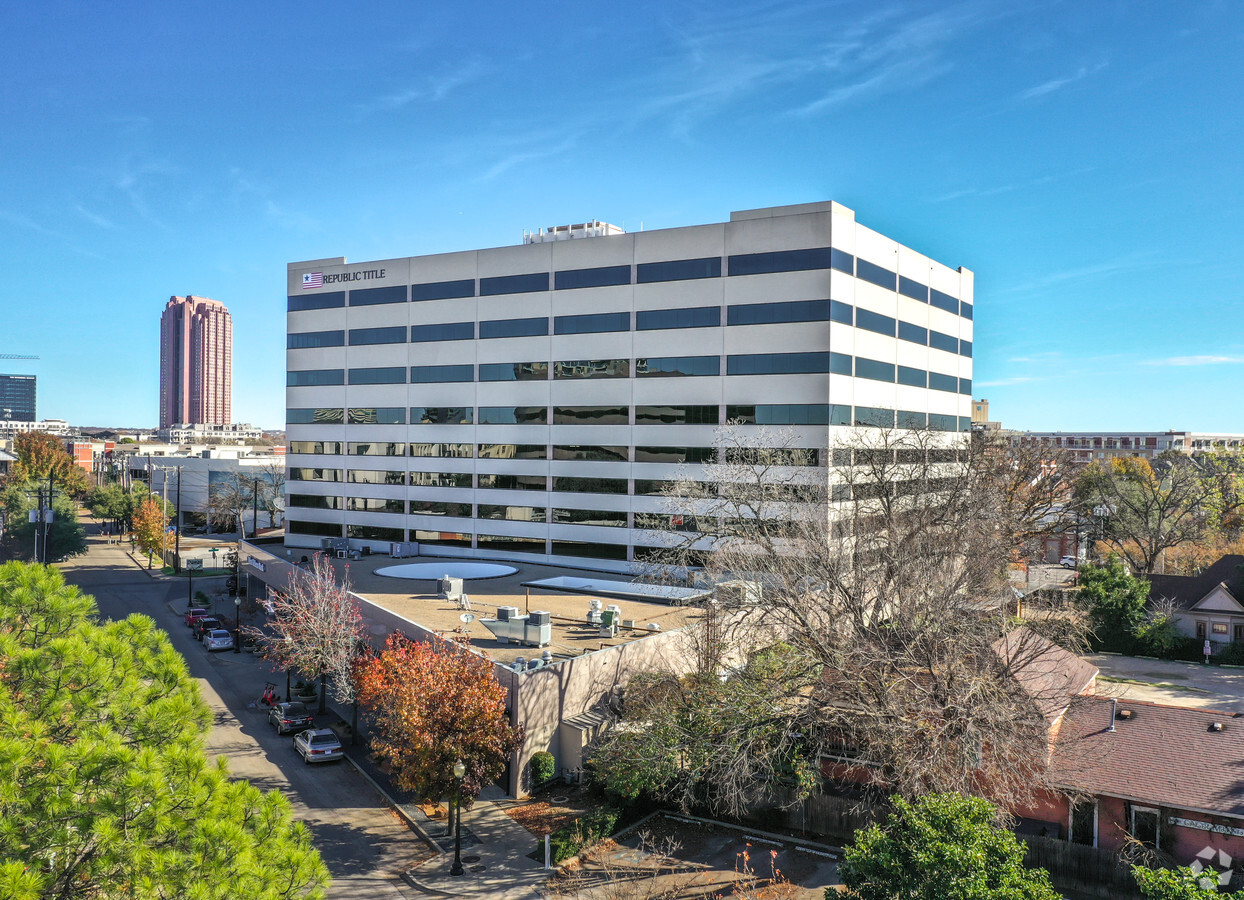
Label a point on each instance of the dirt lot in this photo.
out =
(671, 857)
(551, 808)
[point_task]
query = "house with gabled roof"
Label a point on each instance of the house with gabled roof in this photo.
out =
(1209, 606)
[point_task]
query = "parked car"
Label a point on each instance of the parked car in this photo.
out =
(194, 614)
(287, 717)
(318, 745)
(218, 639)
(206, 624)
(1070, 562)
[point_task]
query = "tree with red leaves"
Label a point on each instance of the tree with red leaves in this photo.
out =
(434, 703)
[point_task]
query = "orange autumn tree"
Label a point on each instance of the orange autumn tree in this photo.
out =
(434, 703)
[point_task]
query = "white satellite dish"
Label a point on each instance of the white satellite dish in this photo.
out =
(466, 617)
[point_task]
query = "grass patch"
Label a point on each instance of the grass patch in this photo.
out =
(1187, 688)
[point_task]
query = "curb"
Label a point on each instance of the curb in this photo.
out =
(395, 806)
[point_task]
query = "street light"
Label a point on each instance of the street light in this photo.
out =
(459, 771)
(1101, 515)
(237, 625)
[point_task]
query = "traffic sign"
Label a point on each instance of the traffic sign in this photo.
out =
(194, 564)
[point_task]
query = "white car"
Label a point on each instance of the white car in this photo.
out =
(218, 639)
(318, 745)
(1070, 562)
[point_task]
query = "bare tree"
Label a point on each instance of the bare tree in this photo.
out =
(1152, 508)
(316, 627)
(863, 612)
(229, 501)
(272, 489)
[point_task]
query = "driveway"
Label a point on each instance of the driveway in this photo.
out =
(363, 843)
(1172, 683)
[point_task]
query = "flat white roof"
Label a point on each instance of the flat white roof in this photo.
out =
(625, 590)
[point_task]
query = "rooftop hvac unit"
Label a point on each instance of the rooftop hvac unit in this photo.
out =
(449, 588)
(506, 613)
(593, 612)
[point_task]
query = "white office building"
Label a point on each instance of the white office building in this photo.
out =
(531, 401)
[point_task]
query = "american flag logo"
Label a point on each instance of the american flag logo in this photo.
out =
(312, 280)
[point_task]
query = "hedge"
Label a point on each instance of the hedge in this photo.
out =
(594, 826)
(543, 765)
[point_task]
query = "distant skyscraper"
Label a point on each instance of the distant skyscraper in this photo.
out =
(17, 398)
(196, 362)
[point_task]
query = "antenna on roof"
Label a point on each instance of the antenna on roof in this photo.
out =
(1114, 710)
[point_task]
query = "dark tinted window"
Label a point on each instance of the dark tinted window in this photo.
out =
(908, 419)
(443, 450)
(913, 333)
(650, 486)
(840, 364)
(871, 321)
(449, 331)
(965, 309)
(695, 317)
(780, 261)
(777, 363)
(767, 313)
(374, 533)
(503, 328)
(678, 270)
(496, 482)
(878, 418)
(376, 476)
(323, 529)
(965, 385)
(590, 485)
(943, 341)
(310, 377)
(874, 369)
(511, 513)
(379, 375)
(587, 551)
(395, 334)
(439, 508)
(875, 274)
(940, 422)
(675, 454)
(441, 415)
(430, 374)
(513, 284)
(308, 339)
(592, 368)
(965, 348)
(523, 371)
(378, 295)
(329, 300)
(313, 501)
(308, 474)
(377, 415)
(440, 479)
(591, 453)
(841, 312)
(441, 538)
(443, 290)
(667, 366)
(375, 448)
(587, 278)
(329, 447)
(842, 261)
(513, 451)
(375, 504)
(671, 415)
(590, 415)
(315, 416)
(944, 301)
(508, 544)
(940, 382)
(913, 377)
(604, 517)
(592, 323)
(913, 289)
(513, 415)
(781, 414)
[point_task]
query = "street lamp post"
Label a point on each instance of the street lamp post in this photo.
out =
(1101, 514)
(459, 771)
(237, 625)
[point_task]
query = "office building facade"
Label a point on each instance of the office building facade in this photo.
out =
(533, 401)
(196, 362)
(17, 398)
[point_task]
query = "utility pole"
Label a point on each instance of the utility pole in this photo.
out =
(255, 508)
(177, 537)
(47, 516)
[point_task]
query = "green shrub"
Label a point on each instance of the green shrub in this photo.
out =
(543, 765)
(202, 599)
(583, 832)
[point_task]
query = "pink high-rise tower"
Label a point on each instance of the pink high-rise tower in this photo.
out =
(196, 363)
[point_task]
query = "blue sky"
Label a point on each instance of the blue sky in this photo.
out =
(1084, 159)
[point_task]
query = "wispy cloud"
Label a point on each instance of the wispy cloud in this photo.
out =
(1207, 360)
(432, 88)
(1089, 272)
(1012, 186)
(538, 150)
(26, 223)
(1054, 84)
(94, 218)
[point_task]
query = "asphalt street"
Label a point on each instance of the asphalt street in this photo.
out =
(364, 844)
